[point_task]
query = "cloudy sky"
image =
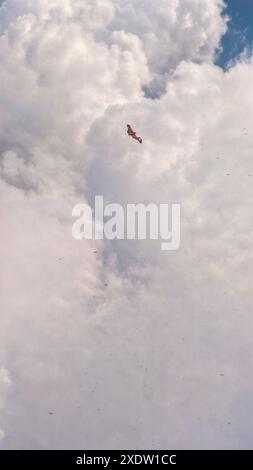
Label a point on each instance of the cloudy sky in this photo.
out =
(118, 344)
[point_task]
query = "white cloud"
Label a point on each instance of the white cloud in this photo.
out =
(5, 384)
(125, 345)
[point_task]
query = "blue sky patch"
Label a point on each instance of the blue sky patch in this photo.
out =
(240, 30)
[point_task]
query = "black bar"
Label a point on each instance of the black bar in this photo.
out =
(124, 458)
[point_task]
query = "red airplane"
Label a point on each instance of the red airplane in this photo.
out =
(132, 134)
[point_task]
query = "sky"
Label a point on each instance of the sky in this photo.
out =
(240, 32)
(118, 345)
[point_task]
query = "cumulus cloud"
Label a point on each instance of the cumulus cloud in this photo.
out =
(119, 345)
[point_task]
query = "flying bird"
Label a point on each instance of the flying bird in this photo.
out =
(132, 134)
